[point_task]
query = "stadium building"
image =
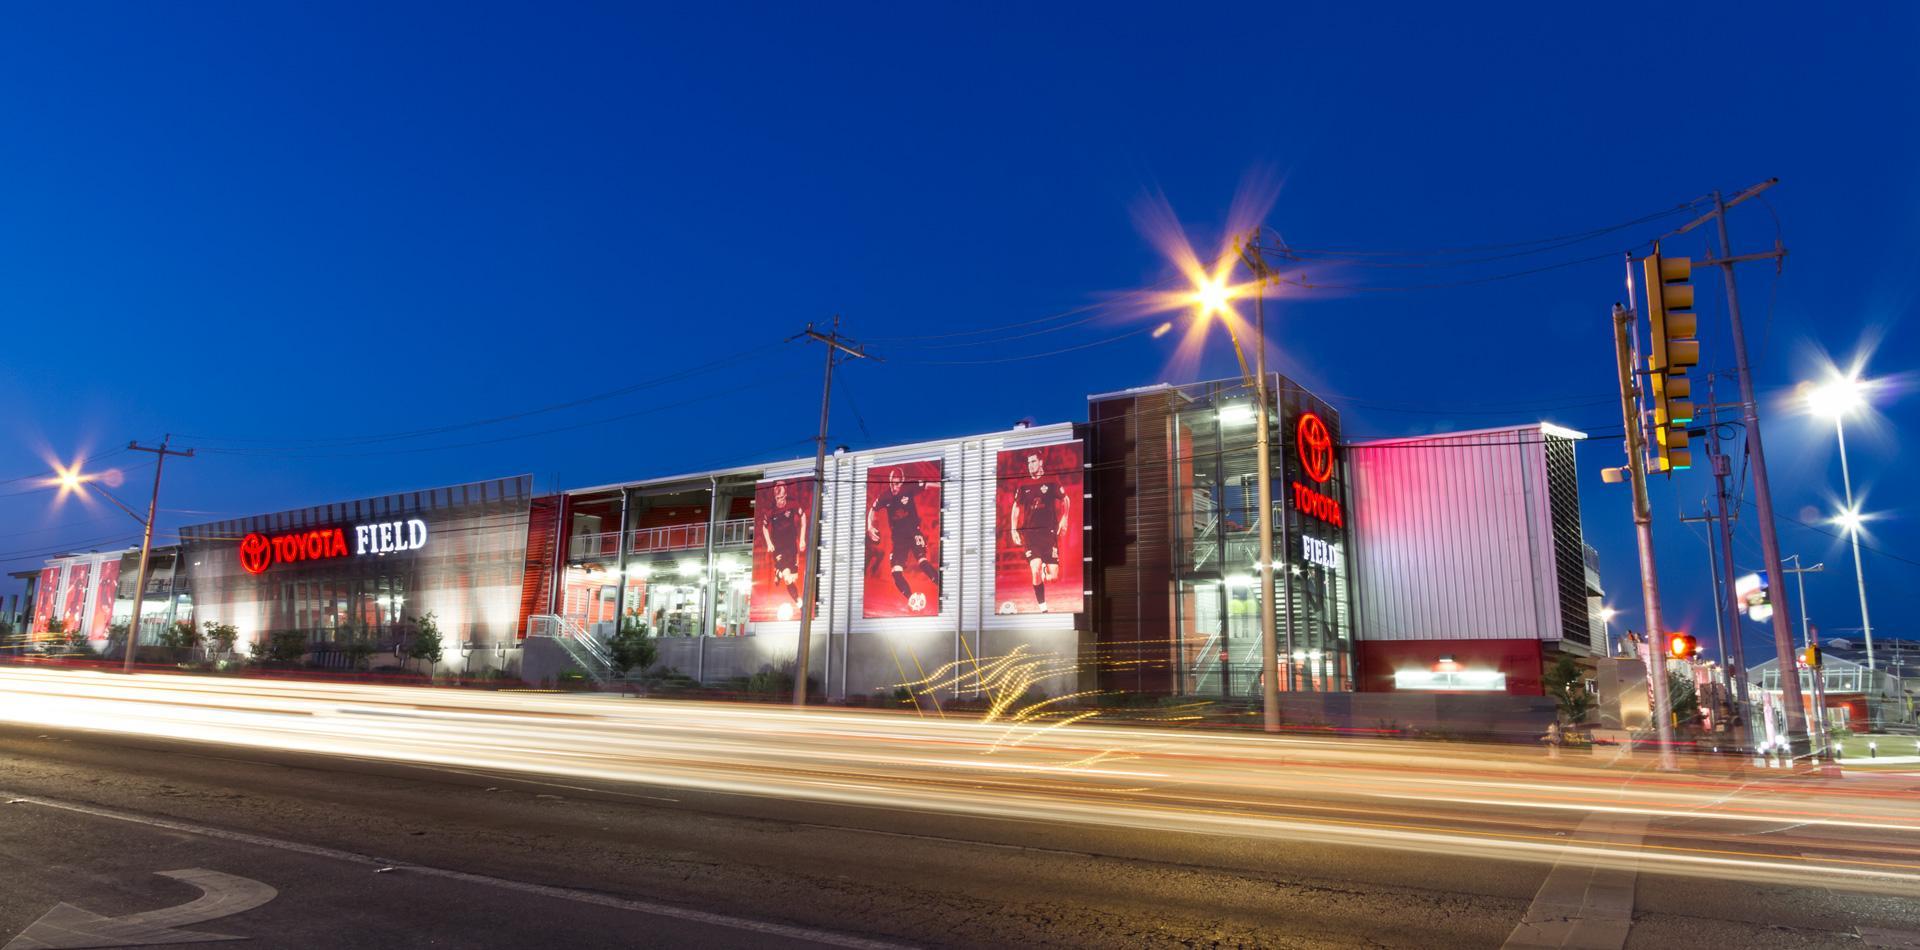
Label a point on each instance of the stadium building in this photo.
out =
(1117, 554)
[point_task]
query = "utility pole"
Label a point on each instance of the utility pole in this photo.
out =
(1643, 532)
(160, 453)
(1816, 675)
(1762, 487)
(836, 346)
(1723, 470)
(1269, 638)
(1720, 623)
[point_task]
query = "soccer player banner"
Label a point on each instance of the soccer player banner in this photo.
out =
(1037, 518)
(73, 612)
(903, 540)
(781, 554)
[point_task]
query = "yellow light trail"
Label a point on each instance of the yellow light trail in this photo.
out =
(1436, 799)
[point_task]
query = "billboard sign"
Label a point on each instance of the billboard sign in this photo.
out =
(106, 588)
(1038, 514)
(45, 595)
(903, 540)
(781, 558)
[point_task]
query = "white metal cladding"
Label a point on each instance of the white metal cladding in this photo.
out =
(1453, 537)
(969, 472)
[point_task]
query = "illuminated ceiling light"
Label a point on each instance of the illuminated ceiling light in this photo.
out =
(692, 568)
(1235, 413)
(1239, 580)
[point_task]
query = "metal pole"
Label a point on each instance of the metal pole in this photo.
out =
(1859, 574)
(1269, 638)
(1762, 486)
(1643, 533)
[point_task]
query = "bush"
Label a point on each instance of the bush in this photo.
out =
(220, 637)
(280, 646)
(425, 645)
(179, 640)
(633, 648)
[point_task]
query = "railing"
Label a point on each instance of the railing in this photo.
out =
(586, 651)
(732, 533)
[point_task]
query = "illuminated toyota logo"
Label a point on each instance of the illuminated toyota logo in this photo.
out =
(256, 553)
(1315, 446)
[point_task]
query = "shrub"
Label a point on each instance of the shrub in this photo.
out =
(633, 648)
(425, 645)
(220, 637)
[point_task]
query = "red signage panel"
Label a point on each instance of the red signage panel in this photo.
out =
(903, 540)
(781, 557)
(1038, 539)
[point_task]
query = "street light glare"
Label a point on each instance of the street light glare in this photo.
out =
(1840, 396)
(1212, 295)
(1849, 519)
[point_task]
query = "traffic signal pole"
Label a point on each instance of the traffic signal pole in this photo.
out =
(1643, 533)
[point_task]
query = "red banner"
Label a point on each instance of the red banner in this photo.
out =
(1037, 549)
(73, 606)
(903, 540)
(43, 599)
(781, 554)
(106, 590)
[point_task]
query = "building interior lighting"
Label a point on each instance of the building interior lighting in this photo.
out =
(1239, 580)
(1235, 414)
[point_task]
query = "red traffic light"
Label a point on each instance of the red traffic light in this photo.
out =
(1681, 647)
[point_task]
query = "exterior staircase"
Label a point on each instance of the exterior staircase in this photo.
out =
(586, 651)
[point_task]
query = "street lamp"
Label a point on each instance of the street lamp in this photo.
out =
(1213, 294)
(1837, 399)
(1606, 626)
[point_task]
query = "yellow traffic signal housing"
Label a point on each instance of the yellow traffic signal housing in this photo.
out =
(1811, 657)
(1673, 348)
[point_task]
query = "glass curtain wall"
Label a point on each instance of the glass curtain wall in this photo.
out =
(682, 568)
(1217, 549)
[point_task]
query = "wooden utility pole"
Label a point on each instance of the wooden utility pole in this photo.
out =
(160, 452)
(838, 347)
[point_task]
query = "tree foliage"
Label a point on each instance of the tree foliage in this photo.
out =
(426, 645)
(1566, 683)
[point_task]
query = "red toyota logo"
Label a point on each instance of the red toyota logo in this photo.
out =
(256, 553)
(1315, 446)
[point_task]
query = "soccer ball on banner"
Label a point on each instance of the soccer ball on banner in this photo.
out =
(1007, 607)
(917, 602)
(785, 612)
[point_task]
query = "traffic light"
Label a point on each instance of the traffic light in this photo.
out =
(1681, 647)
(1811, 657)
(1673, 348)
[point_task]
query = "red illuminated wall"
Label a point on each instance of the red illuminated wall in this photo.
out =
(1519, 659)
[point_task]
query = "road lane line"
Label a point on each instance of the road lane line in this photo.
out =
(823, 937)
(1582, 905)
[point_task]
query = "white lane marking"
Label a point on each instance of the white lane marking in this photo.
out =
(1881, 938)
(1581, 904)
(823, 937)
(221, 895)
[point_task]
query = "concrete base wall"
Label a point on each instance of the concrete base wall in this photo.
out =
(862, 664)
(1454, 714)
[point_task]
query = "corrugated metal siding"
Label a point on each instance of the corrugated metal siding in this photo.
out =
(1454, 537)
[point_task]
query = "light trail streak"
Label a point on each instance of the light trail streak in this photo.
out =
(1023, 764)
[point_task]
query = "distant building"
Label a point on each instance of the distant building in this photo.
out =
(1853, 697)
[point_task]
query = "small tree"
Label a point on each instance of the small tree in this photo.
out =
(633, 647)
(1682, 699)
(220, 637)
(1568, 688)
(181, 638)
(426, 641)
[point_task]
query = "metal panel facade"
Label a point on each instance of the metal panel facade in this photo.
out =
(1454, 537)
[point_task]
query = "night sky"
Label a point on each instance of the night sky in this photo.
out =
(326, 240)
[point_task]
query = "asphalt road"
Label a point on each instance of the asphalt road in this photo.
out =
(388, 850)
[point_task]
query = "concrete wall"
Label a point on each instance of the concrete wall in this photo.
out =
(1467, 716)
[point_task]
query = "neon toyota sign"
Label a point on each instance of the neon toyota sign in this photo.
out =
(1313, 443)
(259, 552)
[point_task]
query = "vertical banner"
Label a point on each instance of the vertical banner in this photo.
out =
(106, 589)
(44, 597)
(73, 605)
(903, 540)
(1037, 516)
(780, 555)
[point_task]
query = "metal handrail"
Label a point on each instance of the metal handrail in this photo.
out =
(734, 532)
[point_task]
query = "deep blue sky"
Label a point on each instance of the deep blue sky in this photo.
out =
(254, 221)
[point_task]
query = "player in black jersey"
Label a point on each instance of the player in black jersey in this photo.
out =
(1036, 521)
(785, 534)
(906, 538)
